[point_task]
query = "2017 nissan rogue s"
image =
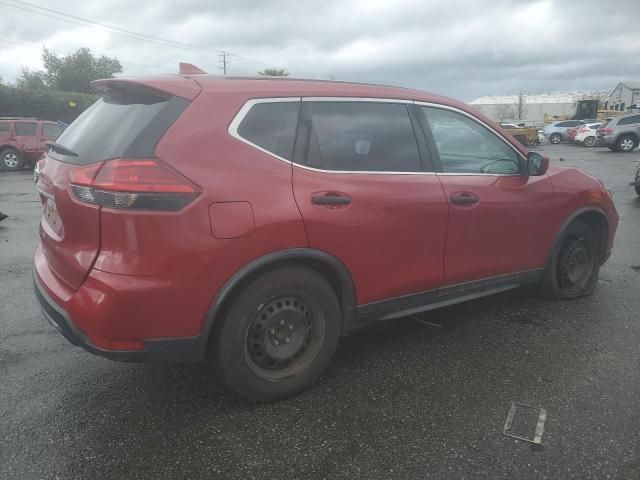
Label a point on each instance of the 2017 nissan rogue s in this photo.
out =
(253, 222)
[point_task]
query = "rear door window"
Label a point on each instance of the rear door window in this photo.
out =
(117, 125)
(272, 126)
(26, 129)
(362, 137)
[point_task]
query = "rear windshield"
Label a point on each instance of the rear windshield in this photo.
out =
(107, 128)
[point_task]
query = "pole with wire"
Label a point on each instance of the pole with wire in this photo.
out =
(223, 61)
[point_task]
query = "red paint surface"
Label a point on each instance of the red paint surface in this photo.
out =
(131, 275)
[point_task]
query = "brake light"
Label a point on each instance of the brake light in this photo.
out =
(606, 131)
(133, 184)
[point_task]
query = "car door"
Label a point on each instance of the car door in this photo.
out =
(26, 136)
(50, 131)
(497, 216)
(360, 185)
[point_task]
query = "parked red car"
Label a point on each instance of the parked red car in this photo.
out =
(252, 222)
(23, 140)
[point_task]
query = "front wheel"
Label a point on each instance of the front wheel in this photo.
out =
(589, 141)
(573, 269)
(555, 138)
(279, 334)
(10, 159)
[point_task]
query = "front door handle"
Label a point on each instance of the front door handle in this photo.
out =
(332, 199)
(464, 198)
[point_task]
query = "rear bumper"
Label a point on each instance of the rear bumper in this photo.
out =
(606, 140)
(101, 310)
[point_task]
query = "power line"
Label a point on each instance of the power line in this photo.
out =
(114, 30)
(65, 17)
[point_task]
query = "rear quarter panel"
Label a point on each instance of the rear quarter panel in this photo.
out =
(182, 244)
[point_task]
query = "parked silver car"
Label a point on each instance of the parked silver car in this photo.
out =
(620, 134)
(556, 131)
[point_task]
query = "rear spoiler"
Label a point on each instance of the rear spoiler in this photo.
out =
(172, 84)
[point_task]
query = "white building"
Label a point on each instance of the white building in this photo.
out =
(623, 96)
(535, 108)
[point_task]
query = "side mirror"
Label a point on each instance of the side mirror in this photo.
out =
(537, 164)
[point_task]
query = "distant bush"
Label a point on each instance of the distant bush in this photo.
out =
(44, 104)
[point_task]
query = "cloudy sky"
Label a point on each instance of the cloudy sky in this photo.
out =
(460, 48)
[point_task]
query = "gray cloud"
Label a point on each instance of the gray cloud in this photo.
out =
(459, 48)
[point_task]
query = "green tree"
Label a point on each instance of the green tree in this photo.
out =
(274, 72)
(70, 73)
(31, 79)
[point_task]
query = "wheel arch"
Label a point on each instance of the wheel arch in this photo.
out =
(592, 216)
(319, 261)
(627, 134)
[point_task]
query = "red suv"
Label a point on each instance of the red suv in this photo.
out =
(23, 140)
(252, 222)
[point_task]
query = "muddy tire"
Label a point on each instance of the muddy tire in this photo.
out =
(278, 335)
(573, 269)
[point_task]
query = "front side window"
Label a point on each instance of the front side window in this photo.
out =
(51, 130)
(465, 146)
(272, 126)
(362, 137)
(26, 129)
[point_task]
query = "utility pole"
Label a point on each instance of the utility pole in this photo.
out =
(223, 61)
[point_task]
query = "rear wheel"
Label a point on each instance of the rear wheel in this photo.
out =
(11, 159)
(573, 269)
(626, 143)
(279, 334)
(555, 138)
(589, 141)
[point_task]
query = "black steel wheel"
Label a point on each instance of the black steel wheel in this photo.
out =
(278, 335)
(284, 337)
(574, 264)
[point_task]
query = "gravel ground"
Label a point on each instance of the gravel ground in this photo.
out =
(422, 397)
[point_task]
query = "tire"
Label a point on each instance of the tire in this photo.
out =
(555, 138)
(589, 141)
(279, 335)
(626, 143)
(573, 269)
(11, 159)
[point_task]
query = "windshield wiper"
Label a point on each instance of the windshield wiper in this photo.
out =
(56, 147)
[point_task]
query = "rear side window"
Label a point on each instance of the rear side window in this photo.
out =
(272, 126)
(26, 129)
(51, 130)
(362, 136)
(629, 120)
(5, 127)
(121, 123)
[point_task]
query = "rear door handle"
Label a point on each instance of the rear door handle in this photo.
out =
(463, 198)
(330, 199)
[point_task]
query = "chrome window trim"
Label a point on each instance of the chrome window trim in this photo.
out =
(237, 119)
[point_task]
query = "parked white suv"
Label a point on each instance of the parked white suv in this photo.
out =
(555, 132)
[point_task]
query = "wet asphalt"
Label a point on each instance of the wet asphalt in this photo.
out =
(423, 397)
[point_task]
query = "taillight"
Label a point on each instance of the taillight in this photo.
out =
(582, 130)
(606, 131)
(133, 184)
